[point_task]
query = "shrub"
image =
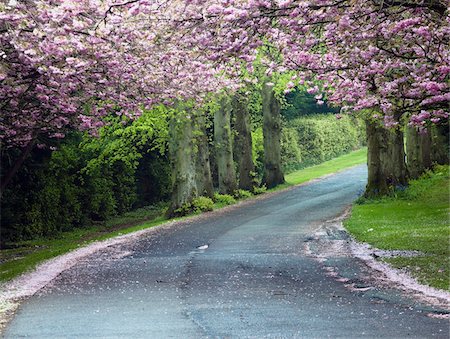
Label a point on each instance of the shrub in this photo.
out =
(198, 205)
(259, 190)
(290, 150)
(224, 199)
(319, 138)
(86, 180)
(239, 194)
(202, 204)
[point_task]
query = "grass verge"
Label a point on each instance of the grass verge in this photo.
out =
(414, 219)
(332, 166)
(28, 254)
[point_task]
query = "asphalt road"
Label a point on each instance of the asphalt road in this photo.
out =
(254, 280)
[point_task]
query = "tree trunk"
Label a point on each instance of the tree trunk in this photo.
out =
(243, 143)
(224, 149)
(385, 161)
(183, 162)
(273, 174)
(203, 173)
(418, 151)
(440, 146)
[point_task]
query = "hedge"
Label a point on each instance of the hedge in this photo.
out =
(317, 138)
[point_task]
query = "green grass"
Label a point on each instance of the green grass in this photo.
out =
(415, 219)
(28, 254)
(348, 160)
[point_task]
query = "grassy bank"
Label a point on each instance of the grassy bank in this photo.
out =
(348, 160)
(415, 219)
(27, 254)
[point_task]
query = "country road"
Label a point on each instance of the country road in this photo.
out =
(240, 273)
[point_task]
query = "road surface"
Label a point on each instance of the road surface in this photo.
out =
(242, 273)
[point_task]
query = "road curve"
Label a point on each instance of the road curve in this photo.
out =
(242, 273)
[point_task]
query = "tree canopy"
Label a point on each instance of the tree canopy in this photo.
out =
(66, 63)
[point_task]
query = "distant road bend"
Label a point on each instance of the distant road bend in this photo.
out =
(242, 273)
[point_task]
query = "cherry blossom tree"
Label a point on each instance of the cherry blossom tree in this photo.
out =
(387, 58)
(66, 64)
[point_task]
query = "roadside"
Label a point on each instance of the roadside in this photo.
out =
(26, 255)
(409, 230)
(334, 248)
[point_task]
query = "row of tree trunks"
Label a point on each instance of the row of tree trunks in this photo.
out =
(273, 174)
(189, 151)
(418, 150)
(385, 160)
(388, 164)
(425, 148)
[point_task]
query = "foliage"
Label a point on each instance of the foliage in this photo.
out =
(320, 138)
(290, 148)
(414, 219)
(198, 205)
(224, 199)
(258, 151)
(300, 102)
(202, 204)
(242, 194)
(88, 180)
(259, 190)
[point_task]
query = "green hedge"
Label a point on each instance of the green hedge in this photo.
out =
(86, 180)
(317, 138)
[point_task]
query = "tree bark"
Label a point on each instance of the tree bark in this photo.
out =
(418, 151)
(203, 173)
(440, 145)
(183, 162)
(243, 143)
(385, 160)
(224, 149)
(273, 174)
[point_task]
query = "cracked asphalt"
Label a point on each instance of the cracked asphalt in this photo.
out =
(254, 279)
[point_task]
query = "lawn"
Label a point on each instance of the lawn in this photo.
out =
(27, 254)
(345, 161)
(415, 219)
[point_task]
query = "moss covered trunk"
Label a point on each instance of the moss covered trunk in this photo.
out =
(418, 151)
(183, 162)
(273, 174)
(385, 160)
(203, 175)
(224, 148)
(243, 142)
(440, 146)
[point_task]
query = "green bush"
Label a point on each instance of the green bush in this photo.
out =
(86, 180)
(202, 204)
(259, 190)
(319, 138)
(198, 205)
(239, 194)
(224, 199)
(290, 148)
